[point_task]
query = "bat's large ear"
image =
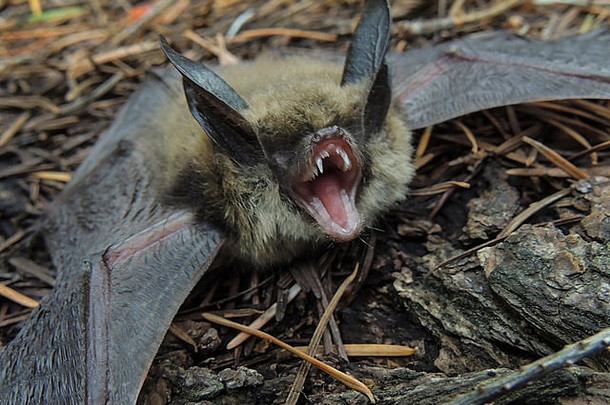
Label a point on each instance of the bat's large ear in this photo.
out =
(215, 106)
(366, 61)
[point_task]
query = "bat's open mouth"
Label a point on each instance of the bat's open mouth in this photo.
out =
(327, 189)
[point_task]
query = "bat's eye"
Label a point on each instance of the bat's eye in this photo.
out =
(327, 188)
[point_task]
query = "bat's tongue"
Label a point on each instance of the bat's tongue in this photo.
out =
(335, 208)
(328, 190)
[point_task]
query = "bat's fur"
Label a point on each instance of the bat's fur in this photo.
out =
(289, 99)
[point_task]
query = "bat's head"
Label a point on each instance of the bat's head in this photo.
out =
(321, 130)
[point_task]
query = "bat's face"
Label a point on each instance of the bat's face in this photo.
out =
(308, 127)
(308, 151)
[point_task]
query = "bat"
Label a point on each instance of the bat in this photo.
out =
(261, 163)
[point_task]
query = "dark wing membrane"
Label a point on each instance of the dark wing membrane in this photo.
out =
(125, 265)
(494, 69)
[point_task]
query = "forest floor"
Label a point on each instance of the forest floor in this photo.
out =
(430, 277)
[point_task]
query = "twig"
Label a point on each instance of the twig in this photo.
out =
(423, 161)
(183, 335)
(12, 240)
(439, 188)
(86, 65)
(545, 113)
(464, 254)
(218, 303)
(287, 32)
(577, 137)
(262, 320)
(598, 109)
(588, 110)
(27, 102)
(297, 385)
(582, 3)
(492, 242)
(27, 266)
(565, 357)
(515, 141)
(35, 7)
(153, 11)
(13, 319)
(50, 175)
(556, 159)
(23, 168)
(99, 91)
(8, 134)
(475, 167)
(438, 24)
(531, 210)
(424, 140)
(556, 172)
(17, 297)
(370, 350)
(239, 22)
(46, 32)
(592, 149)
(471, 138)
(219, 49)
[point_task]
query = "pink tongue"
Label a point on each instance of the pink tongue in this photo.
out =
(328, 190)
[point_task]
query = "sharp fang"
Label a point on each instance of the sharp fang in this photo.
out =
(313, 174)
(347, 164)
(320, 165)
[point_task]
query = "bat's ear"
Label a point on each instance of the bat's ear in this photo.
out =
(366, 61)
(215, 106)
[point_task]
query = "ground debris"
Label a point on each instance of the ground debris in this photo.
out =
(64, 74)
(559, 283)
(241, 378)
(492, 211)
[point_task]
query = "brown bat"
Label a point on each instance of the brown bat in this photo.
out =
(284, 155)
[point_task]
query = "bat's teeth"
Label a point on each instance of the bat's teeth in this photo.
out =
(325, 154)
(313, 173)
(347, 164)
(320, 164)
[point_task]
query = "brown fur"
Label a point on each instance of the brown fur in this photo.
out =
(288, 98)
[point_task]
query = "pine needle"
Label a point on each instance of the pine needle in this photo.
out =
(17, 297)
(50, 175)
(371, 350)
(342, 377)
(556, 159)
(299, 381)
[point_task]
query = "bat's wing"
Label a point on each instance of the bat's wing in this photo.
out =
(488, 70)
(125, 265)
